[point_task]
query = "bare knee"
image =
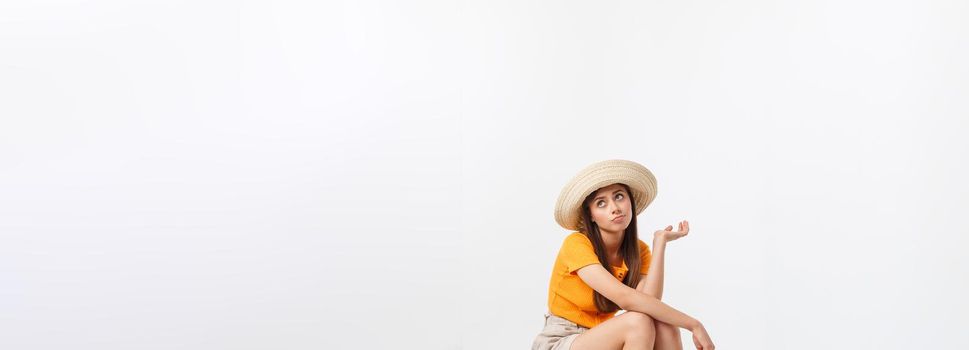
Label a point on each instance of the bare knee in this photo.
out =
(641, 325)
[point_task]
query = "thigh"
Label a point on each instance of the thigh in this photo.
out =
(612, 334)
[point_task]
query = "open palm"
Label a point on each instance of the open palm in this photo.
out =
(669, 235)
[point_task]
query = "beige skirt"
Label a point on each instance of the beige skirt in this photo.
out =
(558, 334)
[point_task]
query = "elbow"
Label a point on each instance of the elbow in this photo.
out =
(649, 291)
(631, 298)
(627, 299)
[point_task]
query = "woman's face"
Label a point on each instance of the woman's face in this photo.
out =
(610, 208)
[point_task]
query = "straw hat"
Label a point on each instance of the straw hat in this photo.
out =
(642, 183)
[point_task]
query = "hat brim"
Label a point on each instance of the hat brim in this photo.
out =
(641, 182)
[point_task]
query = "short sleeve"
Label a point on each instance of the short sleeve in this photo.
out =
(577, 252)
(646, 256)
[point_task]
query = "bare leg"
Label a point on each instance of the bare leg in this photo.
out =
(629, 331)
(667, 337)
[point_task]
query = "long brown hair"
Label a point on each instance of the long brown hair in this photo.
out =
(628, 249)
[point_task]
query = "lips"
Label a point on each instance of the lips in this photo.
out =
(619, 218)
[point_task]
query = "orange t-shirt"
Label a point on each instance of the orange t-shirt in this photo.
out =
(568, 296)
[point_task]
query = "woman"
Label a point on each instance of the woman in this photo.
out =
(602, 267)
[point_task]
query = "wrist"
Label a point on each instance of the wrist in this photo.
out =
(694, 325)
(659, 238)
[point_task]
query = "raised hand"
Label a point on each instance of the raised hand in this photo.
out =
(667, 234)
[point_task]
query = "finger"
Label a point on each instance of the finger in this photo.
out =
(669, 228)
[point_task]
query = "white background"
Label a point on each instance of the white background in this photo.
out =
(368, 174)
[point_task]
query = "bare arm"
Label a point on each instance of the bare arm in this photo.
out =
(652, 281)
(628, 298)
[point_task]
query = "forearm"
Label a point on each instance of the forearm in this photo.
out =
(654, 277)
(647, 304)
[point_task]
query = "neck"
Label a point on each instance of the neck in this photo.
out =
(611, 240)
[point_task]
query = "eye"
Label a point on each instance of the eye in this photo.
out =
(600, 203)
(620, 196)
